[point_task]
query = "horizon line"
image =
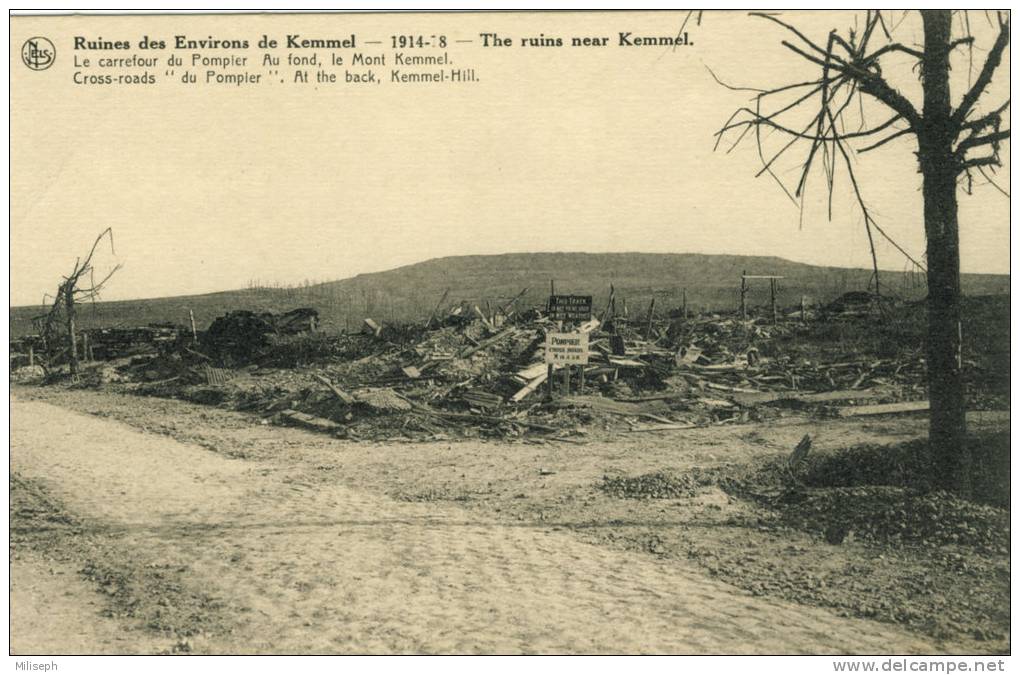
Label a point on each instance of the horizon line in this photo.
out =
(510, 253)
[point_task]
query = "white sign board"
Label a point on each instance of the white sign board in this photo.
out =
(566, 349)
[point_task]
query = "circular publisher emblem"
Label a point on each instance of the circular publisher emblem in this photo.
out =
(38, 53)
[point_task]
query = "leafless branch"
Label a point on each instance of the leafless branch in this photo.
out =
(898, 134)
(985, 77)
(849, 71)
(974, 141)
(980, 161)
(991, 119)
(991, 182)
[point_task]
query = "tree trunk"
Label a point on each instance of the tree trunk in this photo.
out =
(72, 338)
(947, 426)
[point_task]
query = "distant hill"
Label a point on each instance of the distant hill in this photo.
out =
(411, 292)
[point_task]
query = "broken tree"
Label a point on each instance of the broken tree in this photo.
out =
(70, 292)
(951, 144)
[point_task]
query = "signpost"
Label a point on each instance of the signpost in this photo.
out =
(565, 347)
(570, 308)
(566, 350)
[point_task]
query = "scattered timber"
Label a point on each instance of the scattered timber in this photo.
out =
(884, 409)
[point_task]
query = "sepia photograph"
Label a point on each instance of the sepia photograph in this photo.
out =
(570, 332)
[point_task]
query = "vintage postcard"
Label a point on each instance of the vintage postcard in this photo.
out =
(502, 332)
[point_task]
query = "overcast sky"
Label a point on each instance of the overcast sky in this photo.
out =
(552, 150)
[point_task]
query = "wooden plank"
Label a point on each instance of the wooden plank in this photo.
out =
(717, 368)
(657, 397)
(736, 390)
(532, 371)
(482, 399)
(306, 420)
(627, 363)
(748, 399)
(884, 409)
(339, 393)
(534, 384)
(485, 344)
(661, 427)
(609, 405)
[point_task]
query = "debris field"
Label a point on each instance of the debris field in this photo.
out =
(472, 373)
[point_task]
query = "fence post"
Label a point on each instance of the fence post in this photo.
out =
(743, 296)
(651, 316)
(775, 314)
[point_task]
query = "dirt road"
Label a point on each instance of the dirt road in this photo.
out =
(283, 566)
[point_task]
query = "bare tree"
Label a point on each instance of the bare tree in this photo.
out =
(70, 292)
(952, 144)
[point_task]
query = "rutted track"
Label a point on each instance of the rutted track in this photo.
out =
(300, 567)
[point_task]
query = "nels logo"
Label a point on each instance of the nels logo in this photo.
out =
(38, 53)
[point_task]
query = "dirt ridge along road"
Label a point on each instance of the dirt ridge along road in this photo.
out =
(302, 568)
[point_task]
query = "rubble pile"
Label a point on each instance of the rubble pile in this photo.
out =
(241, 336)
(28, 374)
(472, 373)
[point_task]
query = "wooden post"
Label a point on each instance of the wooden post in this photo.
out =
(71, 333)
(505, 309)
(772, 288)
(194, 331)
(683, 294)
(743, 296)
(549, 382)
(438, 305)
(580, 380)
(610, 306)
(803, 309)
(31, 356)
(651, 316)
(566, 380)
(85, 347)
